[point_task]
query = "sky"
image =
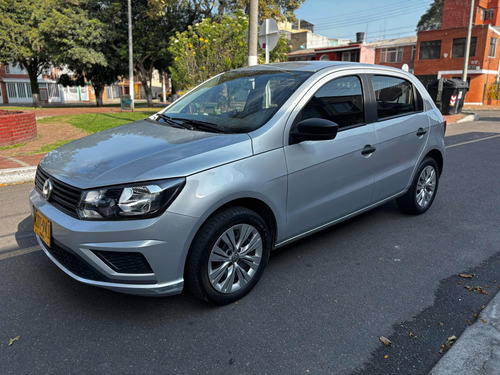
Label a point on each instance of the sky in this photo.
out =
(379, 19)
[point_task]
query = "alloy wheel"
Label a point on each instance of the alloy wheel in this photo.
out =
(426, 186)
(235, 258)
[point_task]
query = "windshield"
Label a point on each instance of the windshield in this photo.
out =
(237, 101)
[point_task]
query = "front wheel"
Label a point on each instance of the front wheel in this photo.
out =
(423, 189)
(228, 256)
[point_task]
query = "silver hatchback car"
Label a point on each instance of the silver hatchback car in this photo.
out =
(250, 160)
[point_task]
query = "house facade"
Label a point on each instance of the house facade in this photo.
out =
(440, 53)
(396, 52)
(15, 86)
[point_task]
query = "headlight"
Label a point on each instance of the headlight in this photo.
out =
(136, 201)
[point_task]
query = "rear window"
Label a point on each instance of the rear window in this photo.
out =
(395, 96)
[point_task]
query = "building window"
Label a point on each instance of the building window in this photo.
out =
(430, 50)
(53, 90)
(15, 69)
(493, 47)
(413, 50)
(350, 56)
(11, 90)
(391, 55)
(21, 90)
(458, 49)
(324, 58)
(487, 14)
(28, 90)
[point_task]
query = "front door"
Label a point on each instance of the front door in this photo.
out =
(333, 178)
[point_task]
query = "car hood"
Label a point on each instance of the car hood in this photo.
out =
(141, 151)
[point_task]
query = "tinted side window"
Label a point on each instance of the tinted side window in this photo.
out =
(340, 101)
(394, 96)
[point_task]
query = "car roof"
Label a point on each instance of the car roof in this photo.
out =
(314, 66)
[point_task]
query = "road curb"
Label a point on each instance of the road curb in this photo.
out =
(477, 351)
(15, 175)
(471, 117)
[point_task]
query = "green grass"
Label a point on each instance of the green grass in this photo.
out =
(12, 146)
(95, 122)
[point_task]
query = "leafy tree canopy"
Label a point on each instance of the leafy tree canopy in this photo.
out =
(433, 18)
(35, 33)
(277, 9)
(209, 48)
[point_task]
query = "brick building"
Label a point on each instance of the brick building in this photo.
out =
(440, 53)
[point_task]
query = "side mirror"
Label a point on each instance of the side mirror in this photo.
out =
(314, 129)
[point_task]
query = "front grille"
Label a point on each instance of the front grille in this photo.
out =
(73, 262)
(64, 197)
(124, 262)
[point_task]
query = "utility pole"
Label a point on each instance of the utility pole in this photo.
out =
(252, 32)
(130, 58)
(467, 42)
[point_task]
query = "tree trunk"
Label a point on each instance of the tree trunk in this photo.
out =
(143, 77)
(99, 93)
(32, 68)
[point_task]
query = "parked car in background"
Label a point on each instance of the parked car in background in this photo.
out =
(198, 194)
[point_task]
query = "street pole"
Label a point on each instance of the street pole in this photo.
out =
(467, 42)
(163, 87)
(130, 57)
(252, 32)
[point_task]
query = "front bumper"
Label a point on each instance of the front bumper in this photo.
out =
(163, 242)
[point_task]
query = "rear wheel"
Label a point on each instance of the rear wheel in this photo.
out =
(423, 189)
(228, 255)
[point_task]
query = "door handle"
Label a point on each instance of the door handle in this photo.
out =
(421, 132)
(368, 149)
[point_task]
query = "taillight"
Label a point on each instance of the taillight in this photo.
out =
(444, 123)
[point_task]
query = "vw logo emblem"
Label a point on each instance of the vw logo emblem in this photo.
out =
(47, 189)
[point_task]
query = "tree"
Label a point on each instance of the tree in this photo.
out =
(208, 48)
(432, 19)
(97, 73)
(37, 33)
(154, 22)
(277, 9)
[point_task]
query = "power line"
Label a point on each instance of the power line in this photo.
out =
(408, 28)
(385, 15)
(404, 5)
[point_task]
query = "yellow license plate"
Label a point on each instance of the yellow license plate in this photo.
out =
(41, 226)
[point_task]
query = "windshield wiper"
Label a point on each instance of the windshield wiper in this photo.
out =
(203, 125)
(172, 122)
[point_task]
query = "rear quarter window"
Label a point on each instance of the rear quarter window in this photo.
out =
(395, 96)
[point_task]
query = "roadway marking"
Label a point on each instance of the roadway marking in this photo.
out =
(16, 253)
(474, 141)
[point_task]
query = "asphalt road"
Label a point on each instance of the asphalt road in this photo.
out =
(320, 307)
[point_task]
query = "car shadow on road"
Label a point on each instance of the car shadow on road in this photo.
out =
(25, 237)
(466, 137)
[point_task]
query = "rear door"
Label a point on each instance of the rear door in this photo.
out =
(402, 130)
(331, 178)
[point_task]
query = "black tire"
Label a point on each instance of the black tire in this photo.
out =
(196, 272)
(409, 202)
